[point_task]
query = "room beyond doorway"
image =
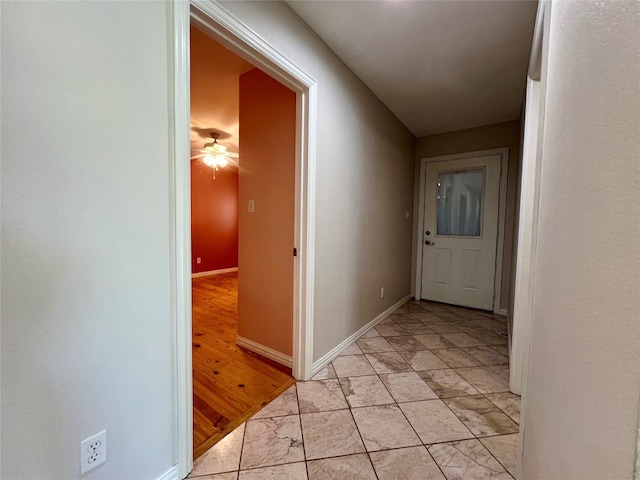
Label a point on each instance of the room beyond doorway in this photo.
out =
(242, 219)
(231, 383)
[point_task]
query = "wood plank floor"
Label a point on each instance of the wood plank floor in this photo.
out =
(230, 384)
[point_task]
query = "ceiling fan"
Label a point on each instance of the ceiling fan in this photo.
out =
(216, 155)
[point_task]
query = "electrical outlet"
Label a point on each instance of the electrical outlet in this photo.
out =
(407, 215)
(198, 260)
(382, 292)
(93, 451)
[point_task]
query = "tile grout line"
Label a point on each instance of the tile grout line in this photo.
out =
(364, 446)
(244, 436)
(304, 450)
(501, 409)
(491, 453)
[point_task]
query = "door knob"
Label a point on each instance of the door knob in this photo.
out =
(428, 232)
(427, 242)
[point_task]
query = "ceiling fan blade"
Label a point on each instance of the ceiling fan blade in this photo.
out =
(231, 154)
(199, 156)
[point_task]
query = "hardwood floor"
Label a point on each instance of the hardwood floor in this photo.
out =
(230, 384)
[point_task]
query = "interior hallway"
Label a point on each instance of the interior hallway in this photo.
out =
(423, 395)
(229, 383)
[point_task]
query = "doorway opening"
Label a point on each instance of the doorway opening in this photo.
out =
(214, 21)
(242, 337)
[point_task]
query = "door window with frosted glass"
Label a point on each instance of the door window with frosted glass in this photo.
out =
(459, 205)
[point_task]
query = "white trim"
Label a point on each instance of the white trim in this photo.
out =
(209, 273)
(171, 474)
(535, 57)
(180, 176)
(502, 205)
(527, 237)
(215, 21)
(526, 254)
(332, 354)
(503, 311)
(304, 232)
(267, 352)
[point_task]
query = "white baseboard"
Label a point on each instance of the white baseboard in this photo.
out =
(503, 312)
(214, 272)
(171, 474)
(260, 349)
(331, 355)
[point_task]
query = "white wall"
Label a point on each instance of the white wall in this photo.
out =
(364, 183)
(85, 238)
(580, 417)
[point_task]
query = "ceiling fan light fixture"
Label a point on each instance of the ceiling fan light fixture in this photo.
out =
(215, 155)
(215, 161)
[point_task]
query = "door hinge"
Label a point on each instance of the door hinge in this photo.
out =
(295, 252)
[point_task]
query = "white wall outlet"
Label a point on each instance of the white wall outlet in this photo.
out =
(198, 260)
(407, 215)
(252, 206)
(93, 451)
(382, 292)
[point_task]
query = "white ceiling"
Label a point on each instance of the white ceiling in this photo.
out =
(439, 66)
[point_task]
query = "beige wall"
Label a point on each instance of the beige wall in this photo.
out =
(364, 183)
(580, 410)
(265, 237)
(505, 134)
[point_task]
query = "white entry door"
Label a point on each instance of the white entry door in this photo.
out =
(460, 231)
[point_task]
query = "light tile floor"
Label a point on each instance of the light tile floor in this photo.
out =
(423, 395)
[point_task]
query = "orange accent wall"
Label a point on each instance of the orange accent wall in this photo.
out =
(214, 217)
(267, 176)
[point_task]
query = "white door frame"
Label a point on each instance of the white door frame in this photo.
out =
(528, 219)
(504, 165)
(527, 238)
(218, 23)
(528, 215)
